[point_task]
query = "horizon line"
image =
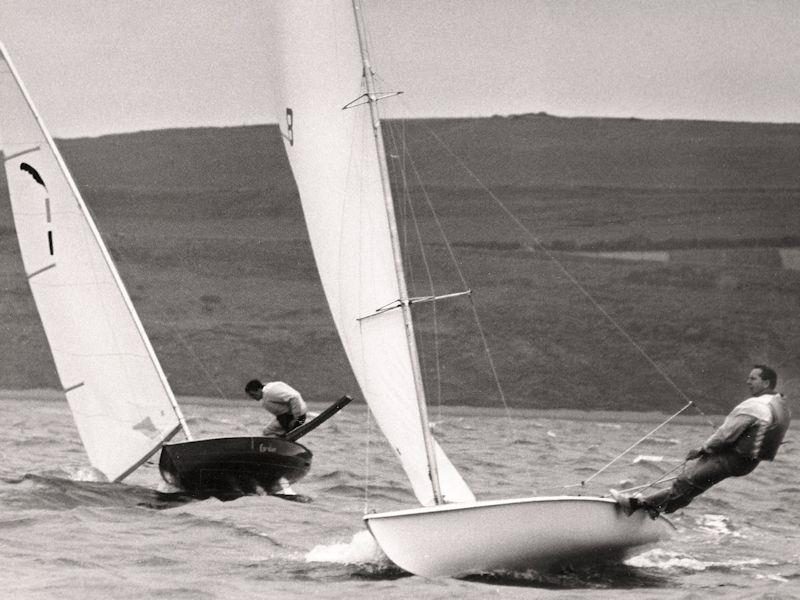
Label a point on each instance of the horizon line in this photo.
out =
(428, 118)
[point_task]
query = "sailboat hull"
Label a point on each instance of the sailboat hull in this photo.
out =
(540, 534)
(228, 468)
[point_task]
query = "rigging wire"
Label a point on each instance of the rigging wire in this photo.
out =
(631, 447)
(484, 341)
(572, 279)
(538, 243)
(462, 278)
(407, 205)
(122, 256)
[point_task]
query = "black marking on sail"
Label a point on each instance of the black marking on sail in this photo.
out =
(74, 387)
(50, 241)
(47, 209)
(34, 173)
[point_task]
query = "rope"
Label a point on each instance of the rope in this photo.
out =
(367, 463)
(631, 447)
(663, 479)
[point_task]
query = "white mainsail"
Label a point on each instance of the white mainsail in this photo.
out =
(333, 156)
(120, 399)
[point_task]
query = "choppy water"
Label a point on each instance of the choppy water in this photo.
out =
(65, 536)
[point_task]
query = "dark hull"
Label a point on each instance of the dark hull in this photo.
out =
(228, 468)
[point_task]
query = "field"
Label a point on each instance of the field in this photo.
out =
(208, 235)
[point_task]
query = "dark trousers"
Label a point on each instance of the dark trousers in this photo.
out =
(288, 422)
(697, 477)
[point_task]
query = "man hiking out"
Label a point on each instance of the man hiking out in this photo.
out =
(752, 432)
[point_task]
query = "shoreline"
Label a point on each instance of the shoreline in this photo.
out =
(569, 414)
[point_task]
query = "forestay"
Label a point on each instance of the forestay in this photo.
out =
(335, 164)
(121, 402)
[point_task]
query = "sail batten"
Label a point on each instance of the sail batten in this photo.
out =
(21, 153)
(94, 333)
(336, 166)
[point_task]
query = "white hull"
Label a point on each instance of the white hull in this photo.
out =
(541, 534)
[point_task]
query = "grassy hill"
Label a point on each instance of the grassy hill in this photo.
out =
(208, 234)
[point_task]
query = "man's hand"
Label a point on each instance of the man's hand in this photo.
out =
(696, 453)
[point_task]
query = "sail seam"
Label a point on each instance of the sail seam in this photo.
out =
(40, 271)
(17, 154)
(74, 387)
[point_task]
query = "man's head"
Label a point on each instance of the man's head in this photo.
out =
(761, 379)
(254, 389)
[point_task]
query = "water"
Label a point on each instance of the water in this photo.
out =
(65, 535)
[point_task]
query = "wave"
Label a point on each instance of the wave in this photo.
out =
(648, 459)
(394, 494)
(47, 492)
(680, 562)
(30, 441)
(660, 441)
(717, 526)
(524, 442)
(344, 489)
(605, 577)
(339, 474)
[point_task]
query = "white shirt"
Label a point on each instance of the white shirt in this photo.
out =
(281, 398)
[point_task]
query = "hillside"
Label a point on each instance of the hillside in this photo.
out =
(209, 237)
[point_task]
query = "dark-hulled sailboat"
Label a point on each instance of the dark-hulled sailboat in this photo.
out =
(120, 399)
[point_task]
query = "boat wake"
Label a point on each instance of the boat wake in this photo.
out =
(361, 551)
(667, 561)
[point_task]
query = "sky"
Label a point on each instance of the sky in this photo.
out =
(105, 66)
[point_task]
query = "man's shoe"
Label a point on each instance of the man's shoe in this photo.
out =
(628, 504)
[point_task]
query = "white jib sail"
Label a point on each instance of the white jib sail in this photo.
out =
(335, 164)
(121, 402)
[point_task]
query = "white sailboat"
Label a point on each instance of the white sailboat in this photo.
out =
(123, 406)
(329, 121)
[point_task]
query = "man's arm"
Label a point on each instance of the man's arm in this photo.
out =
(727, 434)
(297, 406)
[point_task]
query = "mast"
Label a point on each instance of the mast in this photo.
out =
(397, 254)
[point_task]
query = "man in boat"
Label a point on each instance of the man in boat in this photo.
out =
(752, 432)
(282, 401)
